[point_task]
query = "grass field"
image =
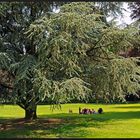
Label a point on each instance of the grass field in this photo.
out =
(118, 121)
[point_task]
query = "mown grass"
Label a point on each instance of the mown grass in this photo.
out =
(118, 121)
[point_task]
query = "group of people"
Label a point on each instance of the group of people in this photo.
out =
(90, 111)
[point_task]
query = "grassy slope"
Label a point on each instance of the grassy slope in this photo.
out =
(118, 121)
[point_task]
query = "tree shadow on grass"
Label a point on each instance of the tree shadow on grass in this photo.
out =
(76, 124)
(60, 125)
(97, 117)
(16, 128)
(94, 121)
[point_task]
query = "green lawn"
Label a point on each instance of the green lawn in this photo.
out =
(118, 121)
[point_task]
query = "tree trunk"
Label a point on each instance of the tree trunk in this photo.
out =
(30, 114)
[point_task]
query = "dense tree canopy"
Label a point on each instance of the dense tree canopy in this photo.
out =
(99, 47)
(16, 50)
(58, 57)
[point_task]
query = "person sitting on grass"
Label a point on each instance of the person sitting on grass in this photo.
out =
(93, 111)
(89, 111)
(100, 110)
(84, 111)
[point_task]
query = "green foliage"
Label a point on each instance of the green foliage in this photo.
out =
(63, 56)
(112, 80)
(17, 53)
(60, 91)
(5, 60)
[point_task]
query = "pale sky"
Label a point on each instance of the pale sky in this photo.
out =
(127, 13)
(126, 16)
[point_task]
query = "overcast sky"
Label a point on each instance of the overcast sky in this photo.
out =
(126, 17)
(127, 13)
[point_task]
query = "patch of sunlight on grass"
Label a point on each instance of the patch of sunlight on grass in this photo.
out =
(12, 111)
